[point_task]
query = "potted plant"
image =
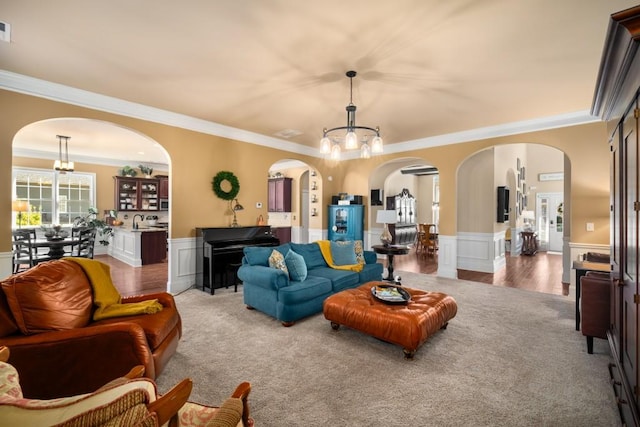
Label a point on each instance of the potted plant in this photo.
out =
(146, 170)
(128, 171)
(92, 220)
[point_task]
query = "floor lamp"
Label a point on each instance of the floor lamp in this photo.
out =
(19, 206)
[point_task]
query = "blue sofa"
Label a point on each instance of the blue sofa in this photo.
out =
(273, 292)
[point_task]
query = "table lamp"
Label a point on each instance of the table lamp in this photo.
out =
(528, 217)
(19, 206)
(237, 207)
(386, 217)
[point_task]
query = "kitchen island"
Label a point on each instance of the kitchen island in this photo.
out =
(138, 247)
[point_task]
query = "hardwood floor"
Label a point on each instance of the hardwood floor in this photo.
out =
(541, 272)
(143, 280)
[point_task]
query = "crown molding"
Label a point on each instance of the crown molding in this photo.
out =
(70, 95)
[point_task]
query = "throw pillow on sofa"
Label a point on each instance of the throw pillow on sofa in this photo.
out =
(359, 249)
(296, 266)
(276, 260)
(343, 252)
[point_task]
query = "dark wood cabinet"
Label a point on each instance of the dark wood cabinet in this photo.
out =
(279, 191)
(136, 194)
(163, 187)
(616, 102)
(153, 246)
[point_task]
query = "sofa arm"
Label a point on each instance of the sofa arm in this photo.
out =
(265, 277)
(64, 363)
(370, 257)
(164, 298)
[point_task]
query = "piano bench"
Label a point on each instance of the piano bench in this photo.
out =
(233, 268)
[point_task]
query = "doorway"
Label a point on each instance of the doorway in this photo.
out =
(549, 212)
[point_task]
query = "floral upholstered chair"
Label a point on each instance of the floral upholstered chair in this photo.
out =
(127, 401)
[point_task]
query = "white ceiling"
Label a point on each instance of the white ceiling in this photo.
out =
(426, 68)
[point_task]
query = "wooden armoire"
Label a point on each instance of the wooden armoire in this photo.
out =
(616, 101)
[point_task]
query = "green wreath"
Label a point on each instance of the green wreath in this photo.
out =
(217, 185)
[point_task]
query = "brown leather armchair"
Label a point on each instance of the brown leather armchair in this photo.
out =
(595, 300)
(56, 346)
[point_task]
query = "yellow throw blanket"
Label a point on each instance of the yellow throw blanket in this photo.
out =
(105, 295)
(325, 248)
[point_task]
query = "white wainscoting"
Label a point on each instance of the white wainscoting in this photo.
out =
(447, 256)
(317, 234)
(182, 265)
(483, 252)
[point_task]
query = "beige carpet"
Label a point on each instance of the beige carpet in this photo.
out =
(509, 358)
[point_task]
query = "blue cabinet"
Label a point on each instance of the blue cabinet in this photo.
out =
(346, 222)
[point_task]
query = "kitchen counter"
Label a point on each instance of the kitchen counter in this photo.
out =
(137, 247)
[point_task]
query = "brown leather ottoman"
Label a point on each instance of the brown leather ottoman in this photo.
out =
(406, 325)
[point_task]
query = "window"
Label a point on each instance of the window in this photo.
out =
(54, 198)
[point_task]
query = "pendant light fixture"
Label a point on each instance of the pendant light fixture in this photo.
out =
(63, 165)
(370, 140)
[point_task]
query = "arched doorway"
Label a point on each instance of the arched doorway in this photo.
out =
(301, 223)
(100, 149)
(489, 231)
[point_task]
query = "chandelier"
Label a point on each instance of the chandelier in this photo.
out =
(369, 138)
(63, 164)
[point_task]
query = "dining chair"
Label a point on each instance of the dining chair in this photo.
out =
(24, 252)
(86, 238)
(421, 237)
(431, 239)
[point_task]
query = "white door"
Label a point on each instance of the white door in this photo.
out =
(549, 221)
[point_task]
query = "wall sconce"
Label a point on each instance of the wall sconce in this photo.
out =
(19, 206)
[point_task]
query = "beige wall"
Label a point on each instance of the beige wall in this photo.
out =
(196, 158)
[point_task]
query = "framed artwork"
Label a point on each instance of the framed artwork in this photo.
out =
(551, 176)
(522, 173)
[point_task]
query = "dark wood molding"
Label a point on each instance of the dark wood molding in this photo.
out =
(619, 73)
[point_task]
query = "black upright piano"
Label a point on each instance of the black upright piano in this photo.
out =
(219, 248)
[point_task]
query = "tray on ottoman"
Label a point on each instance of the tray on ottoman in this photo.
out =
(408, 325)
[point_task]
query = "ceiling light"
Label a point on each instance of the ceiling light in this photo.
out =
(63, 165)
(351, 134)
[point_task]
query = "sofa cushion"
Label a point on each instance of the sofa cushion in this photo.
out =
(49, 297)
(296, 266)
(259, 255)
(311, 254)
(276, 260)
(157, 327)
(340, 279)
(343, 253)
(302, 292)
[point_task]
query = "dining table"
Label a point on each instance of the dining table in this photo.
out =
(56, 246)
